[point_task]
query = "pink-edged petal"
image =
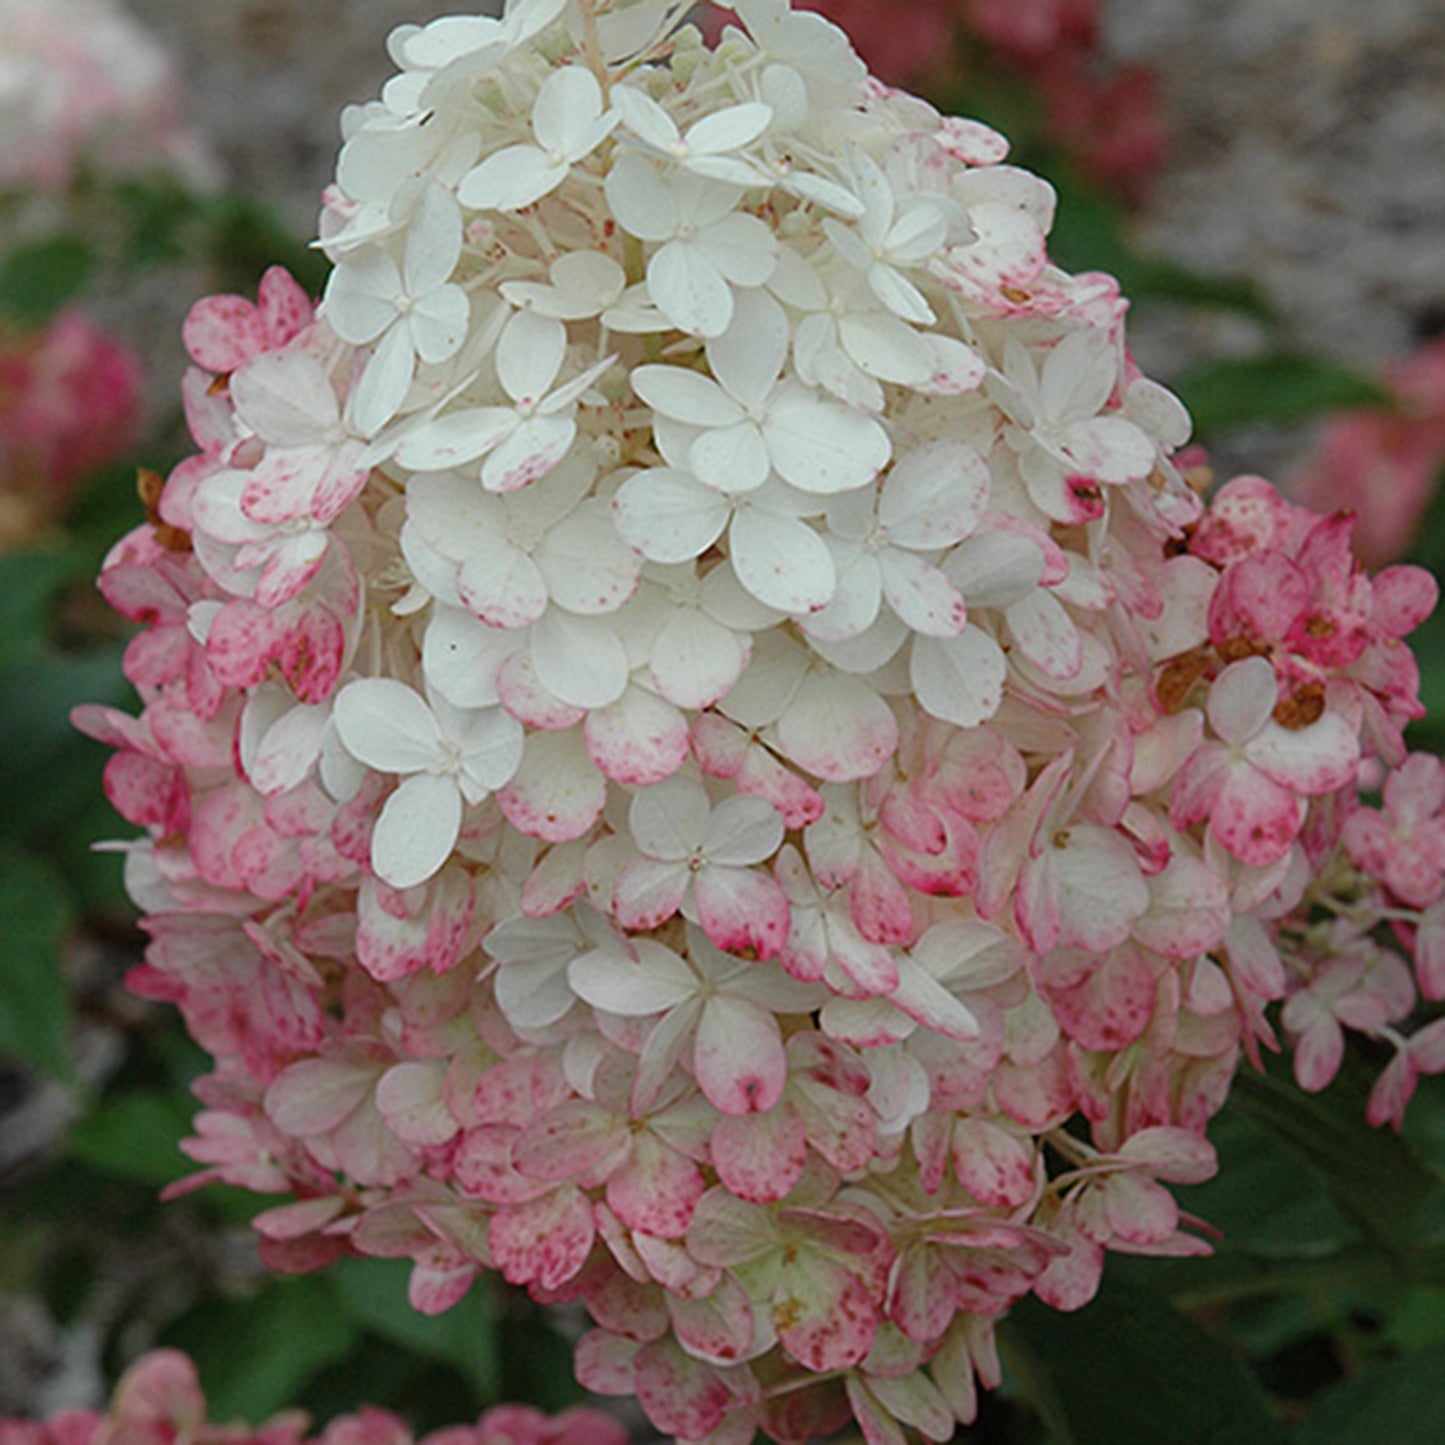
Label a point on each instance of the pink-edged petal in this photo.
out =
(825, 1315)
(545, 1241)
(838, 728)
(935, 496)
(287, 565)
(1197, 785)
(741, 910)
(639, 740)
(1311, 760)
(557, 793)
(760, 1156)
(922, 597)
(682, 1397)
(1099, 887)
(922, 1297)
(657, 1189)
(528, 701)
(1403, 598)
(500, 584)
(996, 1166)
(576, 1140)
(879, 903)
(1177, 1155)
(1188, 910)
(222, 332)
(431, 935)
(1046, 635)
(1112, 1007)
(648, 893)
(738, 1056)
(719, 1327)
(284, 306)
(1255, 818)
(1260, 596)
(528, 453)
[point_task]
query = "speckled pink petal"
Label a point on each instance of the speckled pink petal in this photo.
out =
(545, 1241)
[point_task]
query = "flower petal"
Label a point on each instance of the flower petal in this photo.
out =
(738, 1056)
(417, 830)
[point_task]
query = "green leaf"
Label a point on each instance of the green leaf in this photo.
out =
(245, 236)
(1418, 1320)
(136, 1136)
(52, 772)
(35, 913)
(373, 1291)
(536, 1362)
(1278, 387)
(29, 582)
(37, 280)
(1371, 1174)
(255, 1355)
(1129, 1369)
(1402, 1402)
(1264, 1200)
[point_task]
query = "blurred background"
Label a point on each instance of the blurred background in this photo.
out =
(1266, 179)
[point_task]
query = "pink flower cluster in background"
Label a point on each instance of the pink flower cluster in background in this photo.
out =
(70, 401)
(1107, 117)
(159, 1401)
(82, 82)
(699, 752)
(1384, 465)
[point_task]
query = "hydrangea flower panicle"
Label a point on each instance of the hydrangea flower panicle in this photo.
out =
(699, 750)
